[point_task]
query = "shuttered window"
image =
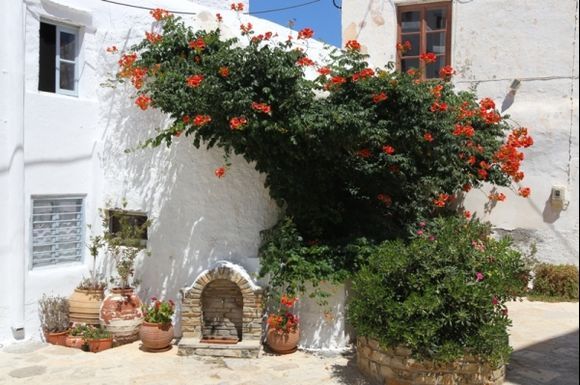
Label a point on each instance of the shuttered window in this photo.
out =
(57, 230)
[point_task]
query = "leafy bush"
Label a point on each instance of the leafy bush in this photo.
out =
(159, 312)
(443, 294)
(349, 153)
(559, 281)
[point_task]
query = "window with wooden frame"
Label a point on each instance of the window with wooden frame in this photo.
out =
(427, 29)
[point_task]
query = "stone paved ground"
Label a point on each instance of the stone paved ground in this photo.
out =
(545, 338)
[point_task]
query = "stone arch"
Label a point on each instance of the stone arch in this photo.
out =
(191, 314)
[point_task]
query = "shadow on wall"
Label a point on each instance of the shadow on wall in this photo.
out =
(197, 219)
(551, 362)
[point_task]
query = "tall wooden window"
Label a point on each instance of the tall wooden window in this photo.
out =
(428, 28)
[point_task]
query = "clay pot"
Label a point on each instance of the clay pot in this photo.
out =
(121, 315)
(56, 338)
(76, 342)
(283, 343)
(156, 337)
(84, 306)
(99, 345)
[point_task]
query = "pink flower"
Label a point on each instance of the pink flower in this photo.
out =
(479, 276)
(419, 232)
(494, 300)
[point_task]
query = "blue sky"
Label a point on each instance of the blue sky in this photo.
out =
(321, 16)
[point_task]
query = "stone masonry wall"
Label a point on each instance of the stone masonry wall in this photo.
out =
(397, 367)
(252, 308)
(221, 306)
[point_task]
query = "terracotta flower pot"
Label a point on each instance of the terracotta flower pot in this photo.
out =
(283, 343)
(99, 345)
(56, 338)
(84, 306)
(156, 337)
(121, 315)
(76, 342)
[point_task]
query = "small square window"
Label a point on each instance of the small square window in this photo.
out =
(57, 230)
(128, 228)
(58, 59)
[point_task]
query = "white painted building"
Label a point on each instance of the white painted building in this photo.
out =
(63, 138)
(493, 45)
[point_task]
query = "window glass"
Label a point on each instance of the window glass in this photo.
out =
(58, 59)
(436, 19)
(410, 21)
(436, 42)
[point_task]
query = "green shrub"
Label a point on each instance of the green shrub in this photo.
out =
(559, 281)
(441, 295)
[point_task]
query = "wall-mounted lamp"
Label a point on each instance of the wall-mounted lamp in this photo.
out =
(515, 86)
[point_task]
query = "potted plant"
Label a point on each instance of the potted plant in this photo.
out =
(121, 312)
(53, 311)
(75, 337)
(85, 302)
(97, 338)
(283, 332)
(156, 332)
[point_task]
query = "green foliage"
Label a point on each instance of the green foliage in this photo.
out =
(559, 281)
(353, 156)
(78, 330)
(158, 311)
(443, 294)
(95, 333)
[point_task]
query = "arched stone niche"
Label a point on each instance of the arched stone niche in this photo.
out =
(211, 304)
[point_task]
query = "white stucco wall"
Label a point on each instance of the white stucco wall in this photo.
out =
(76, 145)
(493, 43)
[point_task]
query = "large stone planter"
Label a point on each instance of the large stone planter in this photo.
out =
(85, 305)
(121, 315)
(397, 367)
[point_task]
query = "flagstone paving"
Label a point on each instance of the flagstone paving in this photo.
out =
(544, 336)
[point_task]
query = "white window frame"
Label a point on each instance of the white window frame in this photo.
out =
(73, 31)
(82, 242)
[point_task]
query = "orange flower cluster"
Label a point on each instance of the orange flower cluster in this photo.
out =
(283, 321)
(260, 37)
(194, 81)
(524, 191)
(385, 199)
(159, 14)
(126, 64)
(201, 120)
(365, 73)
(442, 200)
(153, 37)
(497, 197)
(389, 150)
(324, 71)
(220, 172)
(143, 102)
(224, 72)
(438, 107)
(288, 301)
(436, 90)
(381, 97)
(246, 28)
(219, 18)
(509, 157)
(112, 49)
(237, 7)
(466, 130)
(138, 76)
(428, 57)
(353, 45)
(446, 72)
(335, 81)
(305, 33)
(428, 137)
(364, 153)
(197, 44)
(261, 107)
(404, 47)
(305, 61)
(237, 123)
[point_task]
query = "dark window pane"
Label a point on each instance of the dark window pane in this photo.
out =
(432, 70)
(436, 19)
(67, 76)
(47, 58)
(410, 21)
(407, 64)
(415, 41)
(436, 42)
(67, 46)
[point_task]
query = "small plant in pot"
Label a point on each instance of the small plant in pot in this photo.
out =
(156, 332)
(121, 312)
(75, 337)
(53, 312)
(283, 331)
(85, 302)
(97, 338)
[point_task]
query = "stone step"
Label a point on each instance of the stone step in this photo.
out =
(243, 349)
